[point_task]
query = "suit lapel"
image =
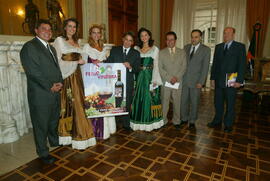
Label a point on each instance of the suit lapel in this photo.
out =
(129, 54)
(188, 51)
(231, 48)
(55, 56)
(198, 50)
(45, 51)
(121, 53)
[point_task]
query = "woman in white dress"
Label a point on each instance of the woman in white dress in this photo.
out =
(146, 112)
(95, 52)
(74, 127)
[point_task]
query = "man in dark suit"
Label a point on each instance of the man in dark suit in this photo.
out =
(229, 57)
(131, 59)
(44, 81)
(198, 59)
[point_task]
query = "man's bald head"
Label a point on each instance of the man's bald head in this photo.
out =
(228, 34)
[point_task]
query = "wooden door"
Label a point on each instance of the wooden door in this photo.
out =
(123, 17)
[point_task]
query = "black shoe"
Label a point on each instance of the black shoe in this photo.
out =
(183, 123)
(127, 128)
(48, 159)
(177, 126)
(192, 126)
(228, 129)
(213, 125)
(55, 145)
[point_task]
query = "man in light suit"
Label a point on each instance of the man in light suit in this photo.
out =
(172, 66)
(44, 81)
(198, 59)
(130, 57)
(229, 57)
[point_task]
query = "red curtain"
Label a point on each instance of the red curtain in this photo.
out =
(166, 13)
(258, 11)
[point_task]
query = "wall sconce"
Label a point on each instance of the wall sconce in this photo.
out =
(20, 12)
(61, 15)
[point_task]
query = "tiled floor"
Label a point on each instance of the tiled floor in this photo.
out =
(169, 154)
(13, 155)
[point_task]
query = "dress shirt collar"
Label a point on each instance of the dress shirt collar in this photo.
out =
(228, 44)
(171, 50)
(42, 41)
(196, 47)
(127, 50)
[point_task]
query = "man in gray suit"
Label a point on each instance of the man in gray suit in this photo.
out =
(44, 81)
(172, 66)
(198, 59)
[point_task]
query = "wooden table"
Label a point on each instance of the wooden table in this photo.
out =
(257, 88)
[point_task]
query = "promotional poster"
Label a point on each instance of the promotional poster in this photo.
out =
(105, 89)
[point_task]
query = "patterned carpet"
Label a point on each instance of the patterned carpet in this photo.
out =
(169, 154)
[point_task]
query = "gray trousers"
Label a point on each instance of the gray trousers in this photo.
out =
(189, 104)
(173, 95)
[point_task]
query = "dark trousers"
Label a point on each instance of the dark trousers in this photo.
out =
(45, 124)
(228, 96)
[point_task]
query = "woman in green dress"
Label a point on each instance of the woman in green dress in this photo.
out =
(146, 112)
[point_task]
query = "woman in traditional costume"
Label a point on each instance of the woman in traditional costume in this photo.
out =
(146, 106)
(74, 127)
(96, 53)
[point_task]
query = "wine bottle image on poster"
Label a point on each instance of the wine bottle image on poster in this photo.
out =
(119, 90)
(105, 93)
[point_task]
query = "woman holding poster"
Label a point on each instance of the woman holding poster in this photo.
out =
(96, 53)
(74, 128)
(146, 106)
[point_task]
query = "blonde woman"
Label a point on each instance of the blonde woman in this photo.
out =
(95, 52)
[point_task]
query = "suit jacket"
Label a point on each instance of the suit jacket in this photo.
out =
(171, 65)
(233, 61)
(42, 72)
(197, 66)
(133, 57)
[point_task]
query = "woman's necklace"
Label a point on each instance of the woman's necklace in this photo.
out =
(72, 43)
(145, 49)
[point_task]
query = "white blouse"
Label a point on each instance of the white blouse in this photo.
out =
(153, 52)
(94, 53)
(63, 47)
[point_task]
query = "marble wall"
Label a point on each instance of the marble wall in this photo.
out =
(14, 111)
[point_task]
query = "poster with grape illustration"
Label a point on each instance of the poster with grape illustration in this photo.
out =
(105, 89)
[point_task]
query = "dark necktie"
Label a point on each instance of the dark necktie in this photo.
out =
(192, 53)
(50, 51)
(125, 54)
(225, 49)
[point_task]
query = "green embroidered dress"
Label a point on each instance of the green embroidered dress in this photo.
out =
(146, 112)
